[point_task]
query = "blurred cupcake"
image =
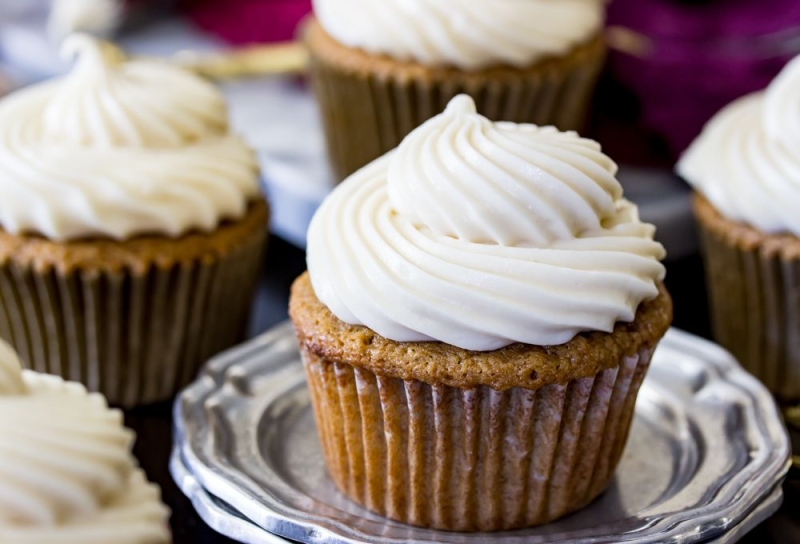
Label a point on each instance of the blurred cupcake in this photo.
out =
(475, 335)
(131, 225)
(745, 169)
(382, 67)
(67, 475)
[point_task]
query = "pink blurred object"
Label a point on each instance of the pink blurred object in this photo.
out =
(699, 56)
(242, 22)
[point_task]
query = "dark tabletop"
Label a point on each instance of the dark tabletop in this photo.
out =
(285, 262)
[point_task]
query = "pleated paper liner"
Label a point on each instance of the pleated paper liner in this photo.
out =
(472, 459)
(369, 103)
(136, 328)
(754, 290)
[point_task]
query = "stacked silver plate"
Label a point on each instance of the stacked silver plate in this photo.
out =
(704, 463)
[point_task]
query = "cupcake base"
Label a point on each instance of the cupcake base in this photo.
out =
(435, 436)
(369, 103)
(754, 291)
(472, 459)
(133, 320)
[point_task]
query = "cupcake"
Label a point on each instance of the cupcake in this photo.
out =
(745, 169)
(480, 308)
(131, 225)
(67, 475)
(383, 67)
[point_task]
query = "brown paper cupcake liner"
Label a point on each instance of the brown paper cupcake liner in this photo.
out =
(472, 459)
(754, 291)
(369, 103)
(137, 334)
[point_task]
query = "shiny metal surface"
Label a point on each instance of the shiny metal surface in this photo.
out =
(225, 520)
(219, 516)
(705, 456)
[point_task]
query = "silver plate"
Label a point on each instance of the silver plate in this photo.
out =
(224, 519)
(707, 450)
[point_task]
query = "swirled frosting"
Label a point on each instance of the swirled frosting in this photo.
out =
(468, 34)
(66, 472)
(117, 149)
(746, 161)
(482, 234)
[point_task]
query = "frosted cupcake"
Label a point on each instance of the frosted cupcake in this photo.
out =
(745, 169)
(382, 67)
(480, 308)
(67, 475)
(131, 225)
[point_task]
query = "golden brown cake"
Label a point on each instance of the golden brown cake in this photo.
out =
(134, 318)
(516, 365)
(131, 225)
(442, 437)
(745, 170)
(370, 101)
(478, 315)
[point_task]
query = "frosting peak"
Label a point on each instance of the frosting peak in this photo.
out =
(119, 148)
(746, 159)
(482, 234)
(91, 54)
(107, 101)
(782, 108)
(468, 34)
(66, 472)
(496, 183)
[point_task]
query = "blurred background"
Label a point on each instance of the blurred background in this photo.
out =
(672, 65)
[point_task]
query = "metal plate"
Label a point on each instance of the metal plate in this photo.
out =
(224, 519)
(706, 449)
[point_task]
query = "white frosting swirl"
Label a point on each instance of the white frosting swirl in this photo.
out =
(746, 161)
(468, 34)
(482, 234)
(118, 149)
(66, 472)
(136, 517)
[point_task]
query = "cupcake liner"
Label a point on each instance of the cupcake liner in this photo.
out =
(136, 334)
(472, 459)
(369, 104)
(754, 292)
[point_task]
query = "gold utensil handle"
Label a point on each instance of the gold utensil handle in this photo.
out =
(628, 41)
(253, 61)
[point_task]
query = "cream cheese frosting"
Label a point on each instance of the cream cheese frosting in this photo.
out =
(480, 235)
(66, 472)
(468, 34)
(746, 161)
(119, 148)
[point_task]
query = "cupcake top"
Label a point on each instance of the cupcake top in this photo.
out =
(468, 34)
(480, 235)
(66, 472)
(120, 148)
(746, 161)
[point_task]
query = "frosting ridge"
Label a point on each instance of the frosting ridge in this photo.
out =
(66, 471)
(482, 234)
(745, 161)
(119, 148)
(107, 102)
(463, 33)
